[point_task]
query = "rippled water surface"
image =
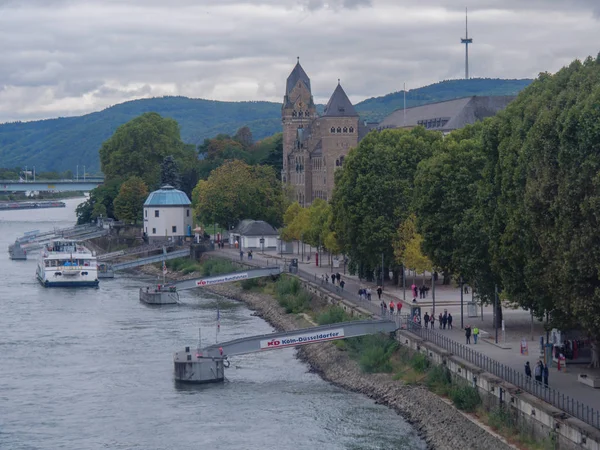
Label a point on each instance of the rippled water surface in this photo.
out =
(92, 369)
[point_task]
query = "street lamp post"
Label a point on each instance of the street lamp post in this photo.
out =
(382, 279)
(495, 308)
(403, 282)
(433, 293)
(462, 322)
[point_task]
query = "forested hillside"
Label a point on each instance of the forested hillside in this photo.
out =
(62, 144)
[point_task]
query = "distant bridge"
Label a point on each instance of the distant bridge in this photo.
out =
(50, 185)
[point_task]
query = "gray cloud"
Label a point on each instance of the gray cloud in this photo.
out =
(65, 57)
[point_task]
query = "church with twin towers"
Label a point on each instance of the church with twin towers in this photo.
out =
(314, 145)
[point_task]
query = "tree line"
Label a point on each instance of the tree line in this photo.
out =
(510, 204)
(148, 152)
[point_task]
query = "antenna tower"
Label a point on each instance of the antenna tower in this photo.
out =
(466, 41)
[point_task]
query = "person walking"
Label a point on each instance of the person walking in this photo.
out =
(538, 372)
(432, 320)
(440, 321)
(475, 334)
(342, 283)
(379, 291)
(444, 320)
(468, 334)
(332, 278)
(528, 370)
(241, 255)
(426, 319)
(338, 277)
(449, 321)
(545, 374)
(369, 294)
(392, 307)
(326, 279)
(383, 308)
(398, 307)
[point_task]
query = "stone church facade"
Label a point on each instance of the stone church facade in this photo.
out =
(314, 145)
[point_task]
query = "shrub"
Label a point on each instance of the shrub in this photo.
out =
(287, 285)
(420, 363)
(373, 352)
(465, 397)
(334, 314)
(250, 284)
(216, 267)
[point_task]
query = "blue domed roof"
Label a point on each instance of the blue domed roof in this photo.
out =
(167, 196)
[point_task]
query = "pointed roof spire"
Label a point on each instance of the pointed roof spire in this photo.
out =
(339, 104)
(298, 74)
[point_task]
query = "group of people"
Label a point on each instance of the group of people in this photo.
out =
(541, 372)
(393, 307)
(471, 331)
(249, 255)
(420, 291)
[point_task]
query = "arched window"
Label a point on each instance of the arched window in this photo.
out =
(341, 160)
(294, 114)
(337, 163)
(300, 113)
(345, 129)
(339, 129)
(333, 129)
(351, 129)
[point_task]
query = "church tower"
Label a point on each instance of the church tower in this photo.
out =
(297, 113)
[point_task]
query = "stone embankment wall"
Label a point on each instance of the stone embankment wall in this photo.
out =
(540, 418)
(441, 424)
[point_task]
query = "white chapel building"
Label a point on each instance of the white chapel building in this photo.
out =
(167, 215)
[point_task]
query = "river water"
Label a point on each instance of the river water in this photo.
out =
(92, 369)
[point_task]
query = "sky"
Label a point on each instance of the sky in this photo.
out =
(71, 57)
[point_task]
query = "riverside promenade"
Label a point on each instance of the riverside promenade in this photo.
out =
(518, 323)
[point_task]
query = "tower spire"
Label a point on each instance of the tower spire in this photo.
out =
(466, 41)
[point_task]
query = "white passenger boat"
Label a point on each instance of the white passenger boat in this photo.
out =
(65, 263)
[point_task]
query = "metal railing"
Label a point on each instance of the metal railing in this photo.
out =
(573, 407)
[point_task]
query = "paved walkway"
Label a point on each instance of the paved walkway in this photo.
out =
(518, 323)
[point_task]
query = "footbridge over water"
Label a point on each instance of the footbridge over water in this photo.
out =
(50, 185)
(207, 365)
(169, 294)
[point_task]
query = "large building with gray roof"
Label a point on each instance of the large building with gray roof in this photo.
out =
(314, 146)
(446, 116)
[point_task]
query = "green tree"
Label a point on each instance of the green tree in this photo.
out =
(129, 204)
(169, 173)
(237, 191)
(102, 195)
(373, 194)
(445, 188)
(244, 137)
(138, 147)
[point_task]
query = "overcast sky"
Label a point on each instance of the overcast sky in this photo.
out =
(67, 57)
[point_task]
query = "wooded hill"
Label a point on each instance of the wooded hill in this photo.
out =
(61, 144)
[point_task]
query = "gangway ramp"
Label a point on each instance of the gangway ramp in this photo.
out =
(169, 294)
(207, 365)
(276, 341)
(227, 278)
(151, 259)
